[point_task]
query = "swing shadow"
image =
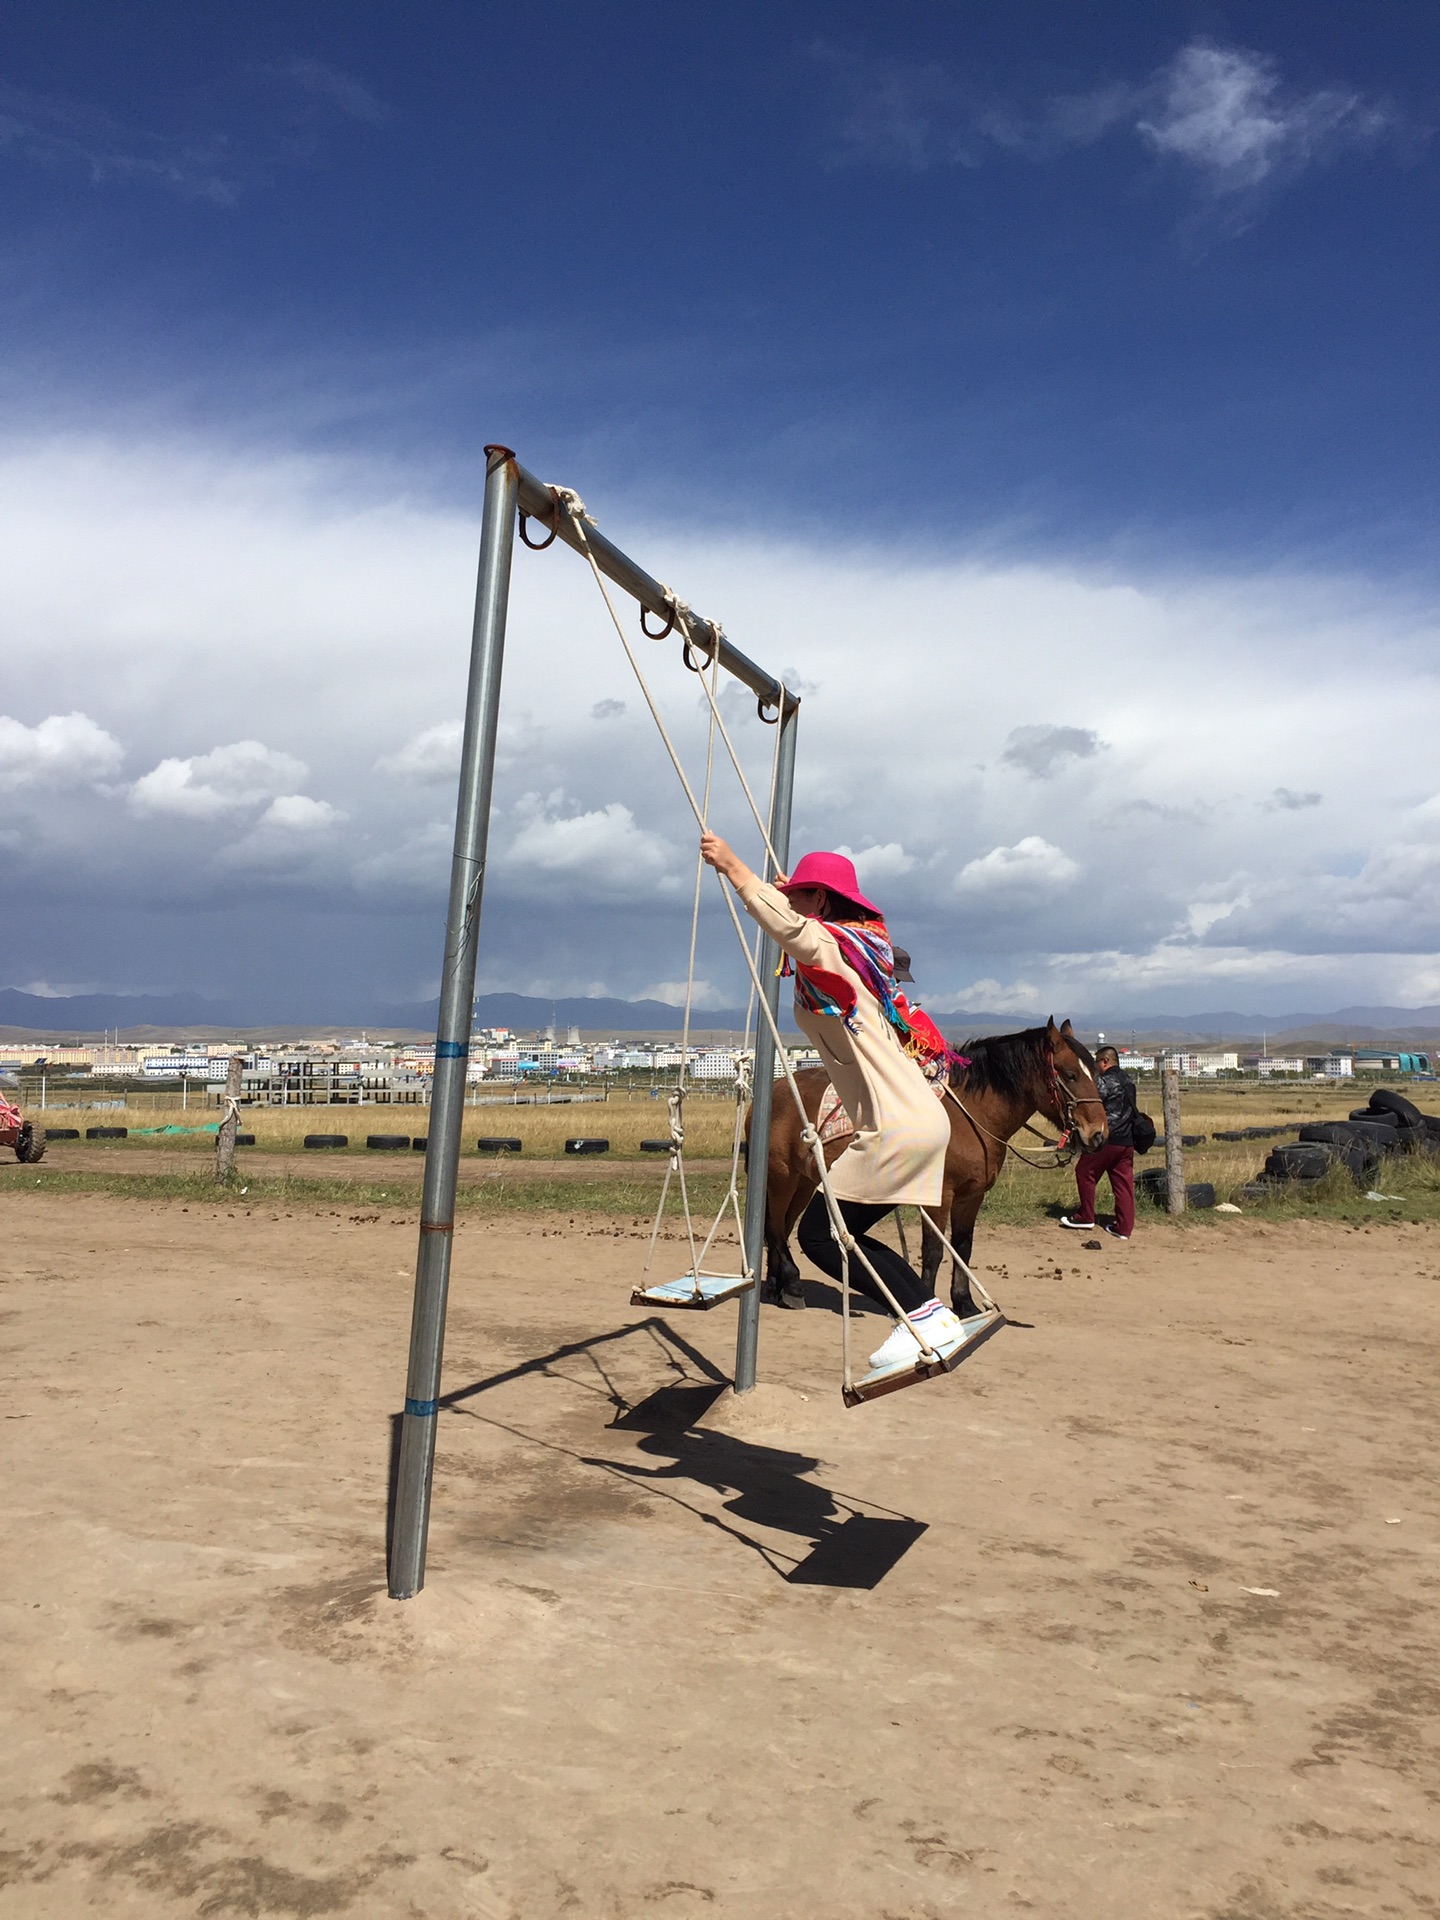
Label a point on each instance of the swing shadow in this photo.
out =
(846, 1545)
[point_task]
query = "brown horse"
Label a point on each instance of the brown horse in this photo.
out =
(1043, 1070)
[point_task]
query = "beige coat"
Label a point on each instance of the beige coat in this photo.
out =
(901, 1130)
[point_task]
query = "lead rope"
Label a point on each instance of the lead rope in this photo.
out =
(1062, 1155)
(809, 1136)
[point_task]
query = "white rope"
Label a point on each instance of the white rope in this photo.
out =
(810, 1138)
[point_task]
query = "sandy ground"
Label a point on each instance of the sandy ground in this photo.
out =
(1134, 1615)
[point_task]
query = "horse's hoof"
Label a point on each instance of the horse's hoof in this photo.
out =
(963, 1306)
(792, 1297)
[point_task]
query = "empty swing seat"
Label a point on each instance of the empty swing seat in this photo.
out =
(909, 1373)
(708, 1291)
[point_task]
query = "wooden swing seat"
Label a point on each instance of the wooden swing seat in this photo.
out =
(702, 1292)
(909, 1373)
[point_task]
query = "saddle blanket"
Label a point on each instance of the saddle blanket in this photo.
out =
(834, 1123)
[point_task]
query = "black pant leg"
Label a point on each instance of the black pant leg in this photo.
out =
(818, 1244)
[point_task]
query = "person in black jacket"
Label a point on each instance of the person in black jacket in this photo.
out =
(1116, 1158)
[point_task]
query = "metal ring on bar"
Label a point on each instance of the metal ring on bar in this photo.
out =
(666, 630)
(768, 719)
(688, 652)
(539, 546)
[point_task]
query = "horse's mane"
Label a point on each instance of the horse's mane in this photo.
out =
(1006, 1063)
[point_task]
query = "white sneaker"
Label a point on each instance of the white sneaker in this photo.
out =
(942, 1329)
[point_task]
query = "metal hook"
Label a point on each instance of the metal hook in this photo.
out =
(539, 546)
(666, 630)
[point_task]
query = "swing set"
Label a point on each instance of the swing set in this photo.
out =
(514, 499)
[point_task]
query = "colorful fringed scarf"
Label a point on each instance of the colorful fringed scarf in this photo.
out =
(866, 947)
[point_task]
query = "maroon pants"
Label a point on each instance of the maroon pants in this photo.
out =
(1119, 1163)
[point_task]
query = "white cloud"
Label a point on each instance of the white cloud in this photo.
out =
(1224, 111)
(345, 612)
(298, 813)
(1031, 866)
(601, 850)
(433, 754)
(65, 750)
(988, 996)
(706, 994)
(876, 864)
(207, 785)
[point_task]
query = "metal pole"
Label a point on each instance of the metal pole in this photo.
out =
(748, 1337)
(452, 1033)
(1174, 1148)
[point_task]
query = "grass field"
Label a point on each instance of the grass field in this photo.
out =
(1023, 1194)
(625, 1120)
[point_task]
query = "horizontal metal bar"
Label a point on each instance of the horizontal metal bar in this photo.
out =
(536, 500)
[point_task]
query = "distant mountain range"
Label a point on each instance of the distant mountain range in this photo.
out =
(154, 1016)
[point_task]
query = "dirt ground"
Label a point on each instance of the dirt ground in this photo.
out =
(1133, 1615)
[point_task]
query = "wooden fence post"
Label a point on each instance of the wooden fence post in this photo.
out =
(1174, 1151)
(230, 1125)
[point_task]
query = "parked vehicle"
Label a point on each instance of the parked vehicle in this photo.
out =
(17, 1132)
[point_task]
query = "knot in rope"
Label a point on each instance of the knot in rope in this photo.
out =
(574, 505)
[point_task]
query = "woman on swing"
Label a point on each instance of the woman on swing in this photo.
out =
(845, 1005)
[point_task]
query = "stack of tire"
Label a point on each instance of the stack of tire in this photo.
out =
(1390, 1124)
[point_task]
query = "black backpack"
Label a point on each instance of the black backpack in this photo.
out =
(1142, 1131)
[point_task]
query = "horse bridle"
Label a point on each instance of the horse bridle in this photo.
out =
(1066, 1102)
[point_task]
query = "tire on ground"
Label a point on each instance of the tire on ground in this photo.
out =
(1382, 1100)
(1310, 1161)
(654, 1146)
(1154, 1184)
(30, 1147)
(107, 1133)
(420, 1143)
(388, 1142)
(587, 1146)
(62, 1133)
(244, 1139)
(499, 1146)
(326, 1140)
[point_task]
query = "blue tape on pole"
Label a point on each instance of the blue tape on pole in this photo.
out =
(423, 1409)
(451, 1050)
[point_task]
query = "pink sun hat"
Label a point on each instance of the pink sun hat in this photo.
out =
(833, 872)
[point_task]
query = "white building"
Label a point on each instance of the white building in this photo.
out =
(715, 1063)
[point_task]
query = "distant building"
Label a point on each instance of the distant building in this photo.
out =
(716, 1063)
(1389, 1060)
(1202, 1064)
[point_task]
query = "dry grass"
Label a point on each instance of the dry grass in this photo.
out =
(1022, 1194)
(625, 1119)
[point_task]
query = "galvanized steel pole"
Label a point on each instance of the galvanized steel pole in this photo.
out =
(762, 1101)
(452, 1034)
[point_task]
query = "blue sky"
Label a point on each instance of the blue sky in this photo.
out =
(1102, 341)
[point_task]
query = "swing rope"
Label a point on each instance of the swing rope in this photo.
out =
(809, 1136)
